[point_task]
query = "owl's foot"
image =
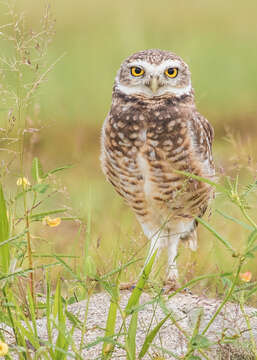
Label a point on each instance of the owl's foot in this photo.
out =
(170, 285)
(128, 286)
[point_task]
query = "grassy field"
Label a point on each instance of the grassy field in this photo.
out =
(216, 39)
(90, 39)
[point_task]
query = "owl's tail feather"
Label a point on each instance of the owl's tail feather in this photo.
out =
(190, 239)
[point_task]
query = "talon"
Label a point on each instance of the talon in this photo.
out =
(128, 286)
(170, 285)
(187, 291)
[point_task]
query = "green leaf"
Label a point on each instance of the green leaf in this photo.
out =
(251, 292)
(200, 342)
(197, 317)
(149, 338)
(15, 274)
(57, 295)
(214, 232)
(37, 170)
(142, 306)
(109, 339)
(40, 188)
(239, 222)
(249, 255)
(4, 235)
(49, 314)
(253, 249)
(251, 239)
(249, 188)
(74, 319)
(131, 337)
(110, 328)
(22, 193)
(40, 216)
(53, 171)
(32, 311)
(67, 267)
(13, 238)
(118, 270)
(61, 341)
(202, 179)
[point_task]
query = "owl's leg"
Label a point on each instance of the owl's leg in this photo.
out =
(171, 282)
(155, 238)
(160, 238)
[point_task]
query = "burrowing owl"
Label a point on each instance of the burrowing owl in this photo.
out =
(152, 130)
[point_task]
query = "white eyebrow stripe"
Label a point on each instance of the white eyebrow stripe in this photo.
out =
(153, 68)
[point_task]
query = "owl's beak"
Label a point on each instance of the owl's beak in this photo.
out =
(154, 84)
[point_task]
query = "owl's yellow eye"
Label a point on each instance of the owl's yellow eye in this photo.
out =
(137, 71)
(171, 72)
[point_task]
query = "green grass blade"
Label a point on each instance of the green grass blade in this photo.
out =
(202, 179)
(64, 353)
(109, 339)
(4, 235)
(37, 170)
(40, 188)
(118, 270)
(49, 314)
(131, 337)
(56, 299)
(149, 338)
(61, 341)
(13, 238)
(110, 328)
(53, 171)
(40, 216)
(237, 221)
(66, 266)
(251, 292)
(32, 311)
(142, 306)
(136, 293)
(249, 189)
(15, 274)
(29, 335)
(214, 232)
(251, 239)
(74, 320)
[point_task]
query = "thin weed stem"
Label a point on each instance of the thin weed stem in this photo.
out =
(250, 220)
(246, 317)
(227, 297)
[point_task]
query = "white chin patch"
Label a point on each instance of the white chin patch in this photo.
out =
(145, 91)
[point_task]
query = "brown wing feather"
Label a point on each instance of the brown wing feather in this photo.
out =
(119, 163)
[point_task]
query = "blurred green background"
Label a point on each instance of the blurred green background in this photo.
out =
(218, 39)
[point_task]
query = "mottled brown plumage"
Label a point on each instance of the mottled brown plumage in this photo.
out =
(152, 130)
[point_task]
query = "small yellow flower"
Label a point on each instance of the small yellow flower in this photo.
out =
(246, 277)
(3, 349)
(51, 222)
(23, 181)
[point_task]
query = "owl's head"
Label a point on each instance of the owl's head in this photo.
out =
(154, 73)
